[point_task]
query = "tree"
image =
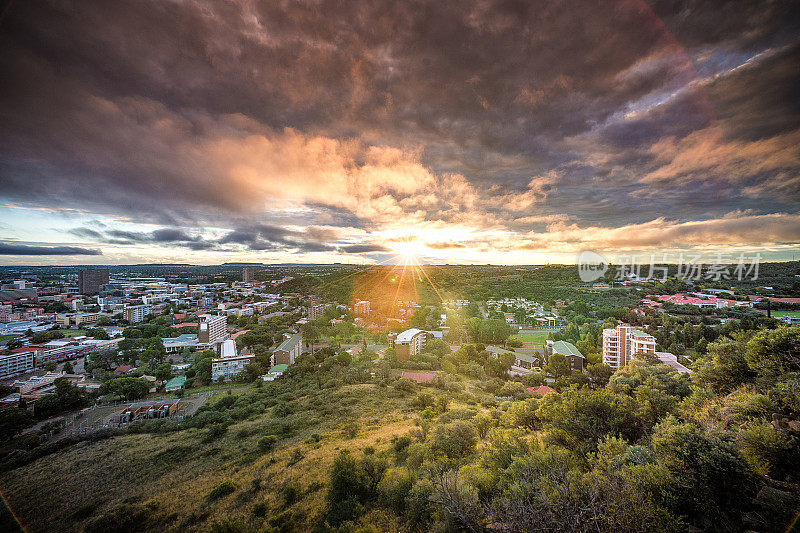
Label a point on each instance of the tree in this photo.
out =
(724, 368)
(599, 375)
(129, 388)
(50, 366)
(13, 420)
(557, 366)
(773, 353)
(163, 372)
(68, 368)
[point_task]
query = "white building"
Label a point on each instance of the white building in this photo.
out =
(15, 364)
(621, 344)
(212, 328)
(229, 366)
(361, 308)
(136, 313)
(408, 343)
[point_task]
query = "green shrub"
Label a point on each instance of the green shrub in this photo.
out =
(223, 489)
(266, 444)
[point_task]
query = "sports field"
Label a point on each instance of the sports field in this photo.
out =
(531, 337)
(793, 314)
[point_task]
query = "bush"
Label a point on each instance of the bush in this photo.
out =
(266, 444)
(214, 432)
(455, 440)
(122, 518)
(221, 490)
(405, 385)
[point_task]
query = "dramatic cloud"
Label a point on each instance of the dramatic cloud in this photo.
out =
(327, 127)
(20, 249)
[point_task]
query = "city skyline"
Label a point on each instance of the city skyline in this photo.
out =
(367, 132)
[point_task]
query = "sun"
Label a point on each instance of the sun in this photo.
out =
(409, 250)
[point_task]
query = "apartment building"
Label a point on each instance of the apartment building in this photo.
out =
(408, 343)
(248, 275)
(622, 343)
(90, 279)
(361, 308)
(16, 363)
(212, 329)
(136, 313)
(315, 311)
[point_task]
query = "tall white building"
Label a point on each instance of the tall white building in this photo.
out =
(621, 344)
(136, 313)
(212, 328)
(361, 308)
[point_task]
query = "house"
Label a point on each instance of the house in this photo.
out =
(420, 377)
(541, 390)
(288, 351)
(123, 369)
(524, 362)
(274, 372)
(575, 358)
(175, 383)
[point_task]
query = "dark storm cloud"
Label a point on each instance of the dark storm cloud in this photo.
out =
(149, 108)
(22, 249)
(363, 248)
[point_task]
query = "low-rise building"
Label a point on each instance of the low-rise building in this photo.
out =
(226, 368)
(15, 364)
(574, 357)
(288, 351)
(179, 343)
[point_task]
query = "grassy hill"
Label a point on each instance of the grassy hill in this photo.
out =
(339, 443)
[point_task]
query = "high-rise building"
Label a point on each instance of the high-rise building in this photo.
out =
(315, 311)
(622, 343)
(90, 279)
(212, 328)
(248, 275)
(361, 308)
(136, 313)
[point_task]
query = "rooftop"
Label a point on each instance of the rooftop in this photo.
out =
(566, 348)
(290, 343)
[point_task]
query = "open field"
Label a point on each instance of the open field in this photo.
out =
(531, 337)
(793, 314)
(72, 332)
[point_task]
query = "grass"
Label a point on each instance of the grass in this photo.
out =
(72, 332)
(179, 470)
(530, 337)
(793, 314)
(7, 337)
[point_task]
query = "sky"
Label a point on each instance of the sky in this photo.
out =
(506, 132)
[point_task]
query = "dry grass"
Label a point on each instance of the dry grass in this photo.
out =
(61, 491)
